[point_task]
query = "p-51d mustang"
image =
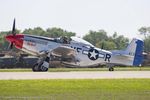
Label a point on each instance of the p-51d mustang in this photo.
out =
(74, 51)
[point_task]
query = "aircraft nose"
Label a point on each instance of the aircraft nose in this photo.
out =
(17, 40)
(10, 38)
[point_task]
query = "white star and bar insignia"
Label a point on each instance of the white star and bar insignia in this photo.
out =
(93, 54)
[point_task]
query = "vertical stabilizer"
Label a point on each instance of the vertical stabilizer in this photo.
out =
(135, 48)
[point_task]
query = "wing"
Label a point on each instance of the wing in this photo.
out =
(64, 51)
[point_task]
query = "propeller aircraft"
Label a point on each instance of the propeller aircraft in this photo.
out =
(73, 51)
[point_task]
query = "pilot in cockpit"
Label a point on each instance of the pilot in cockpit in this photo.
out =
(64, 40)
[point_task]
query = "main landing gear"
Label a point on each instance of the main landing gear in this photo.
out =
(39, 68)
(42, 64)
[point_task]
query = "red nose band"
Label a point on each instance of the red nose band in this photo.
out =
(17, 40)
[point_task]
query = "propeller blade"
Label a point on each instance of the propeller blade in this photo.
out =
(10, 46)
(14, 26)
(102, 47)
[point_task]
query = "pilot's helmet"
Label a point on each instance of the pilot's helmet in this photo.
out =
(63, 39)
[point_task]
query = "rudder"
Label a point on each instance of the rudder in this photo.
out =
(135, 48)
(138, 57)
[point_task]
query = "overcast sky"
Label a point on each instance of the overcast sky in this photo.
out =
(80, 16)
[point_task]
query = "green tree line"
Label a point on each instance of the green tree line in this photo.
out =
(102, 40)
(145, 31)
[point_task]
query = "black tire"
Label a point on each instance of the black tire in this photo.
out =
(111, 69)
(39, 68)
(35, 68)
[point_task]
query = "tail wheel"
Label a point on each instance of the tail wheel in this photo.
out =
(111, 68)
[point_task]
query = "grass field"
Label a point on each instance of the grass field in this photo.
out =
(91, 89)
(79, 69)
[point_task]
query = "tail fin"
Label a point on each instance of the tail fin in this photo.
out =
(135, 48)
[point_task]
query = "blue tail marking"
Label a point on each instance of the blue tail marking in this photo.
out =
(138, 58)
